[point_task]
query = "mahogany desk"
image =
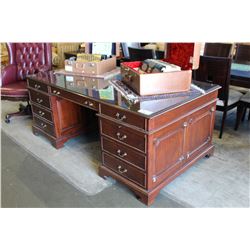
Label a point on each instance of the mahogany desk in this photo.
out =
(145, 145)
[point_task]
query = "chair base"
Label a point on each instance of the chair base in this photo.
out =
(23, 111)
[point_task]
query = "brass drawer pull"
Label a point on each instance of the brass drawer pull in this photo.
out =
(56, 92)
(37, 86)
(90, 104)
(120, 118)
(119, 152)
(43, 125)
(122, 171)
(181, 158)
(41, 113)
(121, 137)
(39, 100)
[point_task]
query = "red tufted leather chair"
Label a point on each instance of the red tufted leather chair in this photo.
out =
(24, 59)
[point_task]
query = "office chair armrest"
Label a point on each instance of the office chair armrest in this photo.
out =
(8, 74)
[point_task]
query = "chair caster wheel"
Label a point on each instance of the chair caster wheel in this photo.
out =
(7, 119)
(207, 156)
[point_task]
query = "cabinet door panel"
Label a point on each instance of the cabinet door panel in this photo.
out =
(199, 130)
(168, 150)
(68, 115)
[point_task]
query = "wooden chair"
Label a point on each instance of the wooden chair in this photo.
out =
(242, 54)
(243, 105)
(216, 70)
(218, 49)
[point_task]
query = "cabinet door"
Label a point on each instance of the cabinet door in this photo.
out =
(199, 129)
(67, 116)
(167, 149)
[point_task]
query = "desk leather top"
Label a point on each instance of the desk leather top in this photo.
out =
(105, 92)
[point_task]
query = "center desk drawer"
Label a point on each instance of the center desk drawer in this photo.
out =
(123, 134)
(124, 169)
(124, 153)
(39, 98)
(45, 126)
(42, 112)
(37, 85)
(123, 116)
(75, 98)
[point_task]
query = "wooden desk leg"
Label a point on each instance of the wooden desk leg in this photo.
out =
(58, 144)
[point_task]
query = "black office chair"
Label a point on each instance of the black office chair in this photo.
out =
(159, 54)
(136, 54)
(125, 46)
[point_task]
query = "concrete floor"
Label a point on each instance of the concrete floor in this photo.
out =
(27, 182)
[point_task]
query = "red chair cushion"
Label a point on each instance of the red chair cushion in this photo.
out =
(15, 89)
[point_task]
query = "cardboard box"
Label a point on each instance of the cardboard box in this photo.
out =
(80, 82)
(185, 55)
(91, 68)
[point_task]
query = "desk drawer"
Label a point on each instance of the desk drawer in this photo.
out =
(45, 126)
(123, 134)
(124, 169)
(39, 98)
(123, 116)
(75, 98)
(37, 85)
(41, 112)
(124, 153)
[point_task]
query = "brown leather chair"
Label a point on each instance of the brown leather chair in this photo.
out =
(216, 70)
(218, 49)
(24, 59)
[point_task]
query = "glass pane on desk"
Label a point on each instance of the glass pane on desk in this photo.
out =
(104, 91)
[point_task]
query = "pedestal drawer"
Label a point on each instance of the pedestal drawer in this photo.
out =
(45, 126)
(39, 98)
(41, 112)
(123, 134)
(124, 153)
(124, 169)
(123, 116)
(39, 86)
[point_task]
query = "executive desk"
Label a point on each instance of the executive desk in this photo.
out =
(145, 144)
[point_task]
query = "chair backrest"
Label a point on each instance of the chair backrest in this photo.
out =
(218, 49)
(215, 70)
(125, 46)
(29, 58)
(136, 54)
(242, 53)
